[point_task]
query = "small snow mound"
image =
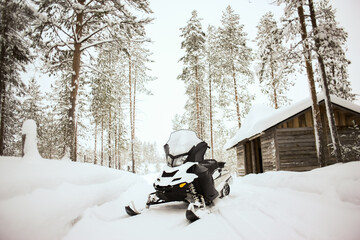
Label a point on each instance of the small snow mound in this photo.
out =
(30, 138)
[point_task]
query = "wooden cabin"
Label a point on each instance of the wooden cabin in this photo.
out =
(284, 139)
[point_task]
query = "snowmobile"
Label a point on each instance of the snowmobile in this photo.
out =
(188, 177)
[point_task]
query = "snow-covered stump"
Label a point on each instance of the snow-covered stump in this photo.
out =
(29, 140)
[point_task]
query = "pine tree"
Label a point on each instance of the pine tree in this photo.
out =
(319, 41)
(33, 109)
(107, 90)
(333, 51)
(213, 73)
(137, 75)
(16, 18)
(78, 26)
(236, 58)
(295, 7)
(273, 67)
(193, 72)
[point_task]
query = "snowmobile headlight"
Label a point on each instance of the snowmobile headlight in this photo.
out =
(179, 161)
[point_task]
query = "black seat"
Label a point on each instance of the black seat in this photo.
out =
(210, 164)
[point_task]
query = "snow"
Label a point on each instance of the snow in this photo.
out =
(182, 141)
(53, 199)
(261, 118)
(30, 146)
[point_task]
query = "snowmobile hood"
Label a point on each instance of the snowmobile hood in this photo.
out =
(181, 142)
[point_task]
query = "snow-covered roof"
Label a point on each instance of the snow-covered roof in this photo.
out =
(261, 118)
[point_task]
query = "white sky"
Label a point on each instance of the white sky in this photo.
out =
(156, 112)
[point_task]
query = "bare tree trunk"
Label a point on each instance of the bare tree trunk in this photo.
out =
(236, 98)
(3, 117)
(318, 130)
(102, 141)
(115, 146)
(2, 79)
(109, 140)
(211, 119)
(96, 127)
(75, 84)
(197, 100)
(328, 105)
(274, 88)
(131, 118)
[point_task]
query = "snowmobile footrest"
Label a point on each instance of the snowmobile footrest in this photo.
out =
(191, 216)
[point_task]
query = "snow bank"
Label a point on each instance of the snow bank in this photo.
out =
(51, 199)
(43, 199)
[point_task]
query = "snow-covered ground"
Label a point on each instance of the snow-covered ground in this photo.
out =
(51, 199)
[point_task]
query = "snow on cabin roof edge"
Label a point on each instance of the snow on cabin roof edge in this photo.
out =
(269, 118)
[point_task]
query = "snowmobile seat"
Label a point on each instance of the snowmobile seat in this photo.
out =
(221, 164)
(196, 154)
(210, 164)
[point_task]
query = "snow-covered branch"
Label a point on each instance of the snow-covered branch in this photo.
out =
(96, 43)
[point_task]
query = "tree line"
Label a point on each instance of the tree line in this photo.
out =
(97, 52)
(219, 66)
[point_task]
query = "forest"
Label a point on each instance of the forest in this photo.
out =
(98, 53)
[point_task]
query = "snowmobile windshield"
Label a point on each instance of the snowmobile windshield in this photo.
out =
(178, 146)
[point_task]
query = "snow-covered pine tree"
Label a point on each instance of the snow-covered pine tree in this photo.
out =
(193, 72)
(33, 108)
(294, 11)
(213, 77)
(60, 104)
(319, 41)
(236, 58)
(16, 18)
(333, 51)
(107, 91)
(138, 75)
(273, 66)
(76, 26)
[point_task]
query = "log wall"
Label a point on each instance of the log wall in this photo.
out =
(268, 151)
(296, 147)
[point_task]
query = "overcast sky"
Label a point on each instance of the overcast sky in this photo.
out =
(156, 112)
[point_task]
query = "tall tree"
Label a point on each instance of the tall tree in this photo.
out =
(16, 17)
(273, 67)
(193, 69)
(33, 109)
(236, 58)
(332, 48)
(213, 73)
(79, 25)
(138, 58)
(295, 7)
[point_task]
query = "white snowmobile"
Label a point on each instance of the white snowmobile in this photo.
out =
(188, 176)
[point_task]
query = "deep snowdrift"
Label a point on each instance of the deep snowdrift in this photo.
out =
(50, 199)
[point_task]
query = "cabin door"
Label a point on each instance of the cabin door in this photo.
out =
(253, 157)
